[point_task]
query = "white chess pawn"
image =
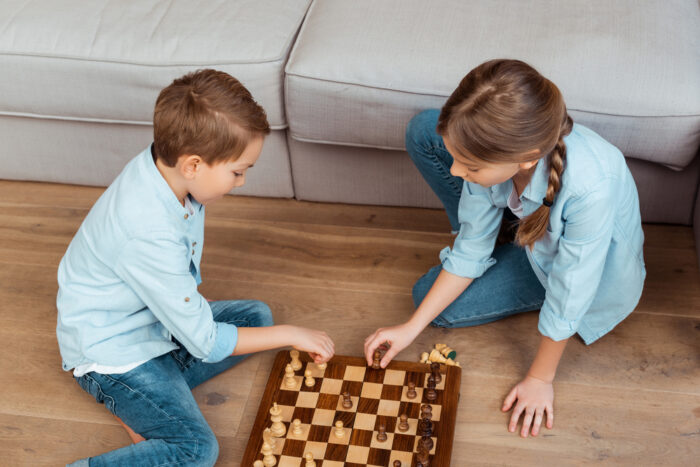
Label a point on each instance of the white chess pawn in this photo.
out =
(278, 429)
(296, 363)
(309, 460)
(321, 366)
(258, 464)
(296, 424)
(268, 438)
(289, 381)
(310, 381)
(339, 431)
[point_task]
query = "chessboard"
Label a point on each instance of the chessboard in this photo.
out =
(380, 402)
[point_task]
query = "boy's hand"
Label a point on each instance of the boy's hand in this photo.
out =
(535, 397)
(395, 338)
(317, 343)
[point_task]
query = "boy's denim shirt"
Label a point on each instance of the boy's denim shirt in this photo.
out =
(590, 258)
(128, 281)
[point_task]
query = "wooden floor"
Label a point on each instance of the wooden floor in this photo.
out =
(632, 398)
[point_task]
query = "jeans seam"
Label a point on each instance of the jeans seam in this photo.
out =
(490, 315)
(447, 176)
(160, 409)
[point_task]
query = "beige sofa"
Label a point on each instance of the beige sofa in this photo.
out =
(340, 79)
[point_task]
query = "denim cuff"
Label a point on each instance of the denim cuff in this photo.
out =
(226, 340)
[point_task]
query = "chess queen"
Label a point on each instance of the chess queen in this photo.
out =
(546, 217)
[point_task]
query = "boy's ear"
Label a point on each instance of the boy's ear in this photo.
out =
(190, 165)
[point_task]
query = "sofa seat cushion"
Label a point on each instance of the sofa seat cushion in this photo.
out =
(107, 60)
(361, 69)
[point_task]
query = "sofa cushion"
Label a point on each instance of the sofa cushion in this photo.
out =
(107, 60)
(361, 69)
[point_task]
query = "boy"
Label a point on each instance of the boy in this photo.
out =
(131, 323)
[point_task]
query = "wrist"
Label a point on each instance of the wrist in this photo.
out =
(542, 378)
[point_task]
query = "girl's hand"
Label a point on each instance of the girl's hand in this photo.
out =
(395, 339)
(535, 397)
(317, 343)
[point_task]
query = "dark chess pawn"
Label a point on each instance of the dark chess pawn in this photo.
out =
(426, 411)
(425, 427)
(430, 393)
(411, 391)
(347, 401)
(397, 463)
(376, 360)
(435, 371)
(426, 442)
(423, 458)
(381, 436)
(403, 423)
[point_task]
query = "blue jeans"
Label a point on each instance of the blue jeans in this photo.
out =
(508, 287)
(155, 399)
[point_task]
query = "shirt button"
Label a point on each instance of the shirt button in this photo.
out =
(186, 216)
(193, 251)
(187, 299)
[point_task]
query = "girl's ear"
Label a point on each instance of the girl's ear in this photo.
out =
(528, 165)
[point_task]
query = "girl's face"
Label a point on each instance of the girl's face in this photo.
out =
(484, 173)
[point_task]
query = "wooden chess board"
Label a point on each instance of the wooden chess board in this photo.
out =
(379, 396)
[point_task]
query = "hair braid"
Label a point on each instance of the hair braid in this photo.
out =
(533, 227)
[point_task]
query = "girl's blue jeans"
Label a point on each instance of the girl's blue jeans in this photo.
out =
(155, 400)
(508, 287)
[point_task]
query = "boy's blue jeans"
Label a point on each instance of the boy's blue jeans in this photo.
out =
(155, 399)
(508, 287)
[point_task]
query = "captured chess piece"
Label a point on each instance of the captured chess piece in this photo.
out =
(339, 431)
(411, 391)
(309, 381)
(376, 360)
(435, 371)
(381, 434)
(310, 462)
(278, 429)
(430, 393)
(289, 381)
(424, 357)
(296, 363)
(446, 351)
(403, 423)
(436, 356)
(347, 400)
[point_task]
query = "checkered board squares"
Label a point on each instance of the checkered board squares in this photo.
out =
(379, 398)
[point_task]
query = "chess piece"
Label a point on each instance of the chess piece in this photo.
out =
(376, 362)
(425, 428)
(296, 424)
(381, 435)
(310, 381)
(268, 459)
(268, 438)
(397, 463)
(403, 423)
(424, 357)
(347, 400)
(309, 460)
(339, 431)
(278, 429)
(436, 356)
(426, 442)
(430, 393)
(258, 464)
(423, 457)
(289, 381)
(322, 366)
(296, 363)
(426, 411)
(435, 371)
(411, 391)
(451, 362)
(446, 351)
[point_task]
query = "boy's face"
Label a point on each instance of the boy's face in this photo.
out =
(211, 182)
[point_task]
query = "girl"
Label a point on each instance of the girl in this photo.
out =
(504, 144)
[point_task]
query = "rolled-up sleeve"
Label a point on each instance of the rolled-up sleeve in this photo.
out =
(158, 271)
(578, 265)
(480, 221)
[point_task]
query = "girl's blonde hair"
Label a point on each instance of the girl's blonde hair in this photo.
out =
(503, 110)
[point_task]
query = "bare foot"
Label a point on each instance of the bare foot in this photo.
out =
(135, 437)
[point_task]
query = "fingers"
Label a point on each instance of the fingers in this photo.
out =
(510, 398)
(388, 356)
(372, 344)
(538, 421)
(527, 421)
(514, 417)
(550, 416)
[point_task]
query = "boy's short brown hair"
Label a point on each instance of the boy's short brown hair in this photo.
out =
(208, 113)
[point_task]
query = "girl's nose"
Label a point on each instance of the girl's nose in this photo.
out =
(458, 170)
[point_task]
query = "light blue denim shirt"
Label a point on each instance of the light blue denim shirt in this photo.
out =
(590, 259)
(128, 281)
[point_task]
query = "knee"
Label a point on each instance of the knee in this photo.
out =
(200, 450)
(261, 315)
(420, 131)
